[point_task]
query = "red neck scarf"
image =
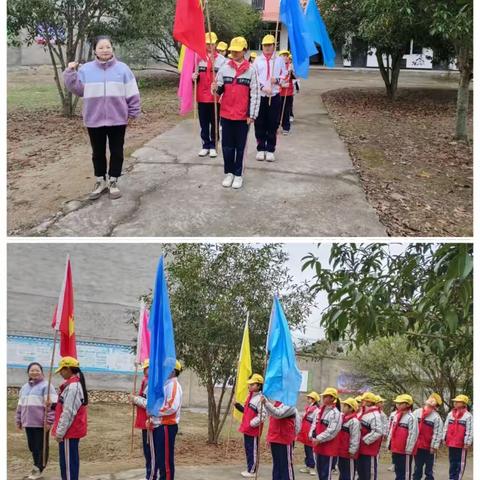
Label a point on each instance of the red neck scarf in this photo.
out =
(457, 413)
(210, 65)
(239, 67)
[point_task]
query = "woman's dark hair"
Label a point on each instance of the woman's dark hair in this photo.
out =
(82, 383)
(101, 37)
(32, 364)
(177, 372)
(338, 404)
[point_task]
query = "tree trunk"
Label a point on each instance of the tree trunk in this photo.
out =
(390, 74)
(463, 94)
(211, 412)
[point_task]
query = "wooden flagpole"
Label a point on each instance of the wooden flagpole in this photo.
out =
(261, 405)
(215, 105)
(283, 110)
(233, 406)
(48, 403)
(133, 405)
(274, 51)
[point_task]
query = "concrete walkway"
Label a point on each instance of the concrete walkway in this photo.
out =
(311, 190)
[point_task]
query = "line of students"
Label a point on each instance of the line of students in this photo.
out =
(352, 430)
(245, 92)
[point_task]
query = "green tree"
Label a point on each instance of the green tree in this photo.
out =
(212, 288)
(424, 293)
(391, 366)
(452, 24)
(64, 27)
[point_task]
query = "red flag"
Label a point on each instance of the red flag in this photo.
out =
(189, 26)
(63, 317)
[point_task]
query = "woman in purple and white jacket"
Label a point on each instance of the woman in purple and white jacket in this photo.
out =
(30, 415)
(110, 98)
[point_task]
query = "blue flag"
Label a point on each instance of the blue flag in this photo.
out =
(301, 42)
(162, 343)
(282, 378)
(318, 32)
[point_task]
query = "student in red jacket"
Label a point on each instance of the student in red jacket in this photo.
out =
(348, 440)
(324, 432)
(286, 92)
(237, 83)
(371, 435)
(313, 399)
(70, 424)
(458, 436)
(430, 430)
(402, 437)
(205, 99)
(281, 437)
(141, 422)
(252, 423)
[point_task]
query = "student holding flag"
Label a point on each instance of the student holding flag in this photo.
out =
(324, 432)
(282, 383)
(430, 430)
(205, 99)
(286, 92)
(70, 424)
(270, 69)
(458, 436)
(237, 83)
(141, 418)
(313, 398)
(164, 396)
(252, 423)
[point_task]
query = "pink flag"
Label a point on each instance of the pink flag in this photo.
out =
(143, 338)
(185, 87)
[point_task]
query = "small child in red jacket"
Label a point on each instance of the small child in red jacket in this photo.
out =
(313, 398)
(349, 439)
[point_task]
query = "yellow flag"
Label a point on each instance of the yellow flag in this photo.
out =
(244, 372)
(180, 58)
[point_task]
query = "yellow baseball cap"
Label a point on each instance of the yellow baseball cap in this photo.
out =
(369, 397)
(461, 398)
(211, 38)
(358, 398)
(67, 362)
(436, 397)
(146, 363)
(284, 52)
(314, 395)
(178, 366)
(222, 46)
(330, 391)
(380, 399)
(351, 402)
(405, 398)
(255, 378)
(238, 44)
(268, 40)
(253, 55)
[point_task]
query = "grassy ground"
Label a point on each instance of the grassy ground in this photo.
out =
(48, 155)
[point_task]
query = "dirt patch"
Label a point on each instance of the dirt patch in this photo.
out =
(48, 155)
(419, 180)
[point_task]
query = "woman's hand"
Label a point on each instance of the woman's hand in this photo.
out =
(250, 121)
(73, 65)
(47, 427)
(194, 76)
(19, 427)
(214, 88)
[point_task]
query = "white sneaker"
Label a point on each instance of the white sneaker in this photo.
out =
(247, 474)
(260, 156)
(270, 157)
(286, 132)
(391, 468)
(237, 182)
(203, 152)
(334, 471)
(98, 189)
(35, 475)
(113, 188)
(304, 470)
(228, 180)
(291, 119)
(212, 153)
(313, 472)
